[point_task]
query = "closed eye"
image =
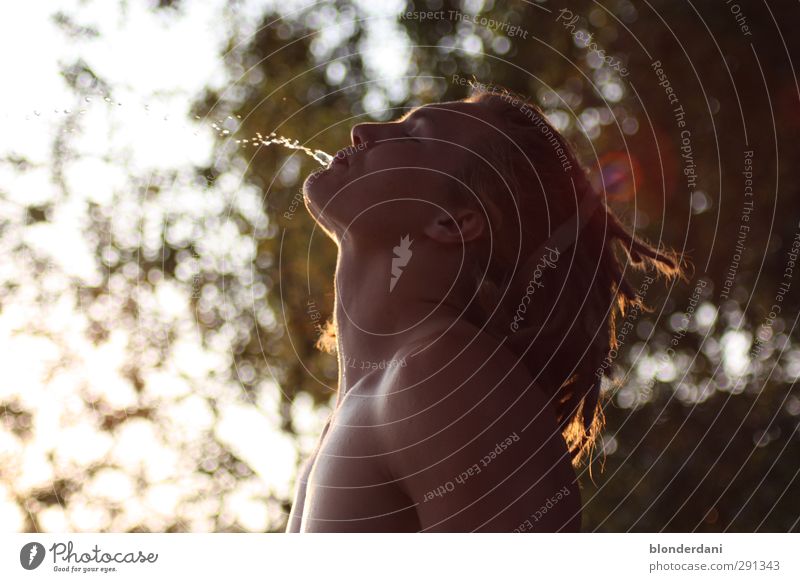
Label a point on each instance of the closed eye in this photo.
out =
(415, 123)
(411, 137)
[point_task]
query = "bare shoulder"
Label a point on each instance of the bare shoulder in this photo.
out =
(464, 367)
(472, 440)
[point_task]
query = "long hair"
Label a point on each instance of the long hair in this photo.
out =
(556, 302)
(529, 183)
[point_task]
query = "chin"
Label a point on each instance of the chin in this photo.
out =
(316, 197)
(315, 190)
(314, 177)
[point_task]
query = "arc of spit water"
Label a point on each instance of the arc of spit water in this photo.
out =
(322, 157)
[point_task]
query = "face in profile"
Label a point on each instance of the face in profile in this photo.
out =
(396, 177)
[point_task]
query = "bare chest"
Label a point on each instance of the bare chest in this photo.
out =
(349, 488)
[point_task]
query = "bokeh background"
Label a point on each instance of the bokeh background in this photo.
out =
(161, 289)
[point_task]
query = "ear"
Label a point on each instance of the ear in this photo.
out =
(462, 225)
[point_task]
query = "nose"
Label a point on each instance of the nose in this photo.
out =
(363, 133)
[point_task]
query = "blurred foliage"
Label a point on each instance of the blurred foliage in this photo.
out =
(694, 441)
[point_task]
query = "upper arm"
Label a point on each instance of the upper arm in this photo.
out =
(296, 514)
(476, 447)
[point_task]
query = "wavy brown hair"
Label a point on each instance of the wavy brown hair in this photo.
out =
(528, 181)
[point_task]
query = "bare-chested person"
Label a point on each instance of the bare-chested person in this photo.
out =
(476, 286)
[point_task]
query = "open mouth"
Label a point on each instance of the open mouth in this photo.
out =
(343, 155)
(340, 157)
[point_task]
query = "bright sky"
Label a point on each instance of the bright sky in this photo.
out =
(156, 65)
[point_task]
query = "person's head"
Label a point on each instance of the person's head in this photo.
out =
(490, 182)
(402, 177)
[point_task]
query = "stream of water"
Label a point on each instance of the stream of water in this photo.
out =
(320, 156)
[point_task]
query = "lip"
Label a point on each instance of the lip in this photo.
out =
(341, 157)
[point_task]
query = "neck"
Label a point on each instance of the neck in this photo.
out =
(373, 323)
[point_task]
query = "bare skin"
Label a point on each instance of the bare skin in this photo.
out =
(459, 438)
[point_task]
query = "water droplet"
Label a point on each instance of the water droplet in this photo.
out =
(107, 99)
(88, 99)
(323, 158)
